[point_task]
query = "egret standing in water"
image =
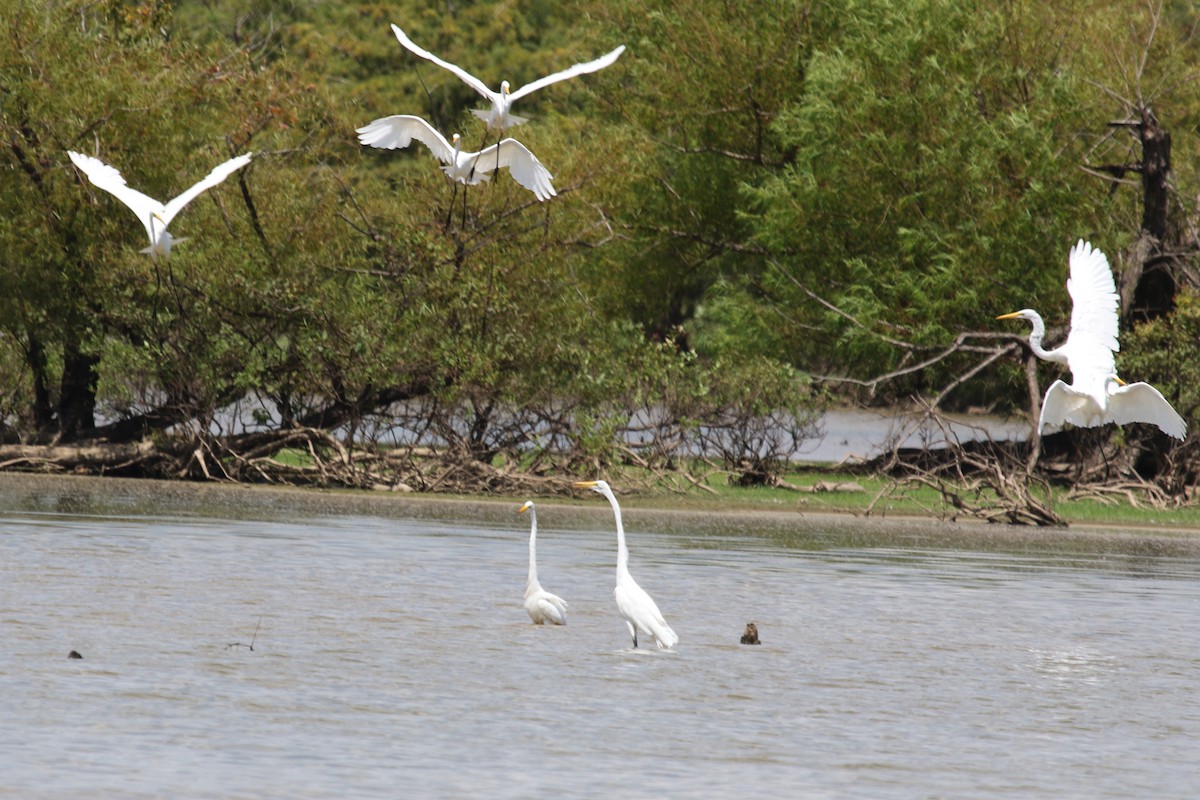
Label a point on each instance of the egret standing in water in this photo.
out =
(153, 214)
(542, 606)
(637, 608)
(1097, 396)
(499, 116)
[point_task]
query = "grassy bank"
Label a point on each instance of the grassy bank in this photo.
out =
(833, 492)
(816, 492)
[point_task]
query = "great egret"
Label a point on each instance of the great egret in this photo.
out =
(542, 605)
(147, 209)
(399, 130)
(635, 606)
(1098, 395)
(499, 116)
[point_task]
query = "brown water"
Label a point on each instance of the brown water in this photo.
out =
(393, 658)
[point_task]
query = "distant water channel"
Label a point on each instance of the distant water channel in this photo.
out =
(393, 657)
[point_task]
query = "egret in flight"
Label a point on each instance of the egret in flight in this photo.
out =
(1097, 395)
(542, 606)
(398, 131)
(635, 606)
(153, 214)
(499, 116)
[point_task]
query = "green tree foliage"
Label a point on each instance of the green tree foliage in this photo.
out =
(1162, 352)
(704, 83)
(755, 191)
(936, 177)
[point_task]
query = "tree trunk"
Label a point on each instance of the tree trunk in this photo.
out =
(77, 403)
(43, 410)
(1149, 284)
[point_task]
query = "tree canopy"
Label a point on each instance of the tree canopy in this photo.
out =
(753, 195)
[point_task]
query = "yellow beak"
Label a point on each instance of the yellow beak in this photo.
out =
(585, 484)
(528, 505)
(1013, 315)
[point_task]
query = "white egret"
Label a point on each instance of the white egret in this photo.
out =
(499, 116)
(1097, 395)
(542, 606)
(399, 130)
(636, 607)
(147, 209)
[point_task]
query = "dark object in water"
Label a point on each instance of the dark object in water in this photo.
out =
(74, 654)
(751, 634)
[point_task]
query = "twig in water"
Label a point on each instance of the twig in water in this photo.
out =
(252, 638)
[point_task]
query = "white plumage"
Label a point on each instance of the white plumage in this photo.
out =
(155, 216)
(635, 606)
(541, 605)
(398, 131)
(1097, 395)
(499, 116)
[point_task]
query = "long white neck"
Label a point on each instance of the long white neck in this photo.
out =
(533, 578)
(622, 550)
(1035, 341)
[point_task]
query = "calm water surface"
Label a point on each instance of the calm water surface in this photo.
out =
(393, 658)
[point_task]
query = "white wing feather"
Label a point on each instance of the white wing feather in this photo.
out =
(110, 180)
(398, 131)
(1065, 403)
(105, 177)
(552, 607)
(466, 77)
(521, 163)
(494, 96)
(594, 65)
(1134, 402)
(639, 609)
(1141, 402)
(1094, 313)
(213, 178)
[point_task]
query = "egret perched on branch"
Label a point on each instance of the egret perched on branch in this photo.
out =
(1097, 395)
(499, 116)
(542, 605)
(635, 606)
(398, 131)
(153, 214)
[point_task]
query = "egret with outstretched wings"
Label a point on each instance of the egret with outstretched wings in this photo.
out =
(155, 216)
(1096, 395)
(500, 116)
(399, 130)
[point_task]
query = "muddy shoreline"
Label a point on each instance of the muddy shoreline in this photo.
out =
(88, 495)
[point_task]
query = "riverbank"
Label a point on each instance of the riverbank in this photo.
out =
(791, 527)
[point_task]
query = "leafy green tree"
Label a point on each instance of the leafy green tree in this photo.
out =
(935, 178)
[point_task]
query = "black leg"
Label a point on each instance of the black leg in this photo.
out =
(450, 207)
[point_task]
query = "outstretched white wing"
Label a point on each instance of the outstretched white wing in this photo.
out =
(109, 179)
(570, 72)
(1095, 308)
(1096, 304)
(218, 174)
(398, 131)
(1065, 403)
(1141, 402)
(464, 76)
(522, 164)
